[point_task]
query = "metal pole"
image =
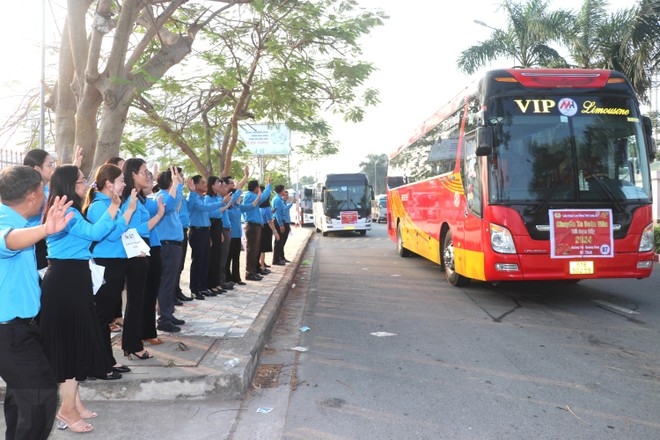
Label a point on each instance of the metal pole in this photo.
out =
(42, 95)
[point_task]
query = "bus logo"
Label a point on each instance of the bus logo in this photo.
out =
(567, 107)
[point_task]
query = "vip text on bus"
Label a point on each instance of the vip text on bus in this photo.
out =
(531, 174)
(342, 202)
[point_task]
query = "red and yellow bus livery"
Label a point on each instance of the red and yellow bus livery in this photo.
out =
(530, 174)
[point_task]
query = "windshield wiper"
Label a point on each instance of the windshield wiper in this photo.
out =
(608, 193)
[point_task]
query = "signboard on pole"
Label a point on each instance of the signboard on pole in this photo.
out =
(263, 139)
(581, 233)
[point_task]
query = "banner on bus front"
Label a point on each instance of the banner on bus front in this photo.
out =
(581, 233)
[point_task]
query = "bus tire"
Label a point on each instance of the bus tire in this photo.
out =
(403, 252)
(325, 233)
(363, 233)
(448, 262)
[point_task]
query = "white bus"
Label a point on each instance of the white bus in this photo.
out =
(342, 202)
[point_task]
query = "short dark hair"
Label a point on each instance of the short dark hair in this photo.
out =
(196, 178)
(279, 188)
(17, 182)
(165, 179)
(252, 185)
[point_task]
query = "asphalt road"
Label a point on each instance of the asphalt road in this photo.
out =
(394, 352)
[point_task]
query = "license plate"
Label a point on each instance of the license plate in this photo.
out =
(581, 267)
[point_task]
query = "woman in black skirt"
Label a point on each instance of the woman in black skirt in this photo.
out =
(71, 333)
(109, 182)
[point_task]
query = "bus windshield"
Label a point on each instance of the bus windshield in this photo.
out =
(595, 155)
(348, 197)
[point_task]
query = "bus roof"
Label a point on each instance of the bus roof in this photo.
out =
(501, 80)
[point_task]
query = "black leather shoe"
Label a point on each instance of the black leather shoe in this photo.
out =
(168, 327)
(121, 369)
(227, 286)
(240, 283)
(285, 260)
(177, 321)
(278, 263)
(111, 376)
(253, 277)
(263, 271)
(198, 295)
(181, 297)
(208, 292)
(177, 302)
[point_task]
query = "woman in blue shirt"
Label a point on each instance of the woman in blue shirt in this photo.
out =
(43, 162)
(109, 253)
(71, 335)
(136, 177)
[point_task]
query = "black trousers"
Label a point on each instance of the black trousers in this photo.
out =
(148, 329)
(108, 298)
(31, 392)
(234, 260)
(214, 278)
(136, 284)
(278, 248)
(184, 247)
(199, 266)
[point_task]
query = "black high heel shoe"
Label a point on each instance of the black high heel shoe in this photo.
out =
(142, 356)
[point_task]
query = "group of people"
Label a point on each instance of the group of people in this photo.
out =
(55, 317)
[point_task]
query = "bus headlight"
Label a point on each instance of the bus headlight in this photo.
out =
(501, 240)
(646, 243)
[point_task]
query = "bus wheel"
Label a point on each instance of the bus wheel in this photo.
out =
(363, 233)
(450, 266)
(325, 233)
(403, 252)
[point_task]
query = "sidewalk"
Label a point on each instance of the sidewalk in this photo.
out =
(217, 350)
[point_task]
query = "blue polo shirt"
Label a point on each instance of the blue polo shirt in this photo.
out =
(226, 221)
(234, 214)
(170, 228)
(152, 206)
(183, 212)
(20, 295)
(279, 206)
(251, 213)
(140, 218)
(111, 245)
(73, 242)
(209, 199)
(199, 211)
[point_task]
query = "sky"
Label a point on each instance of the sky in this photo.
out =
(415, 53)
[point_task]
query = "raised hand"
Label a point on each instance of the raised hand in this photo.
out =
(191, 184)
(57, 216)
(78, 156)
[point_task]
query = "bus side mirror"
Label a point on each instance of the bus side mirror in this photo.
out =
(484, 141)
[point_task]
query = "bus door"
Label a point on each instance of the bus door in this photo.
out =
(470, 256)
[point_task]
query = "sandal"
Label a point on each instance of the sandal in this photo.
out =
(144, 355)
(87, 414)
(80, 426)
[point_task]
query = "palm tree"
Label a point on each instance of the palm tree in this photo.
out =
(530, 30)
(375, 167)
(640, 56)
(586, 39)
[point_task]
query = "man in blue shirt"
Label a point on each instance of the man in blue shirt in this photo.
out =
(31, 392)
(252, 216)
(170, 233)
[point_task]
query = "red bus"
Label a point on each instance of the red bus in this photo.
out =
(529, 174)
